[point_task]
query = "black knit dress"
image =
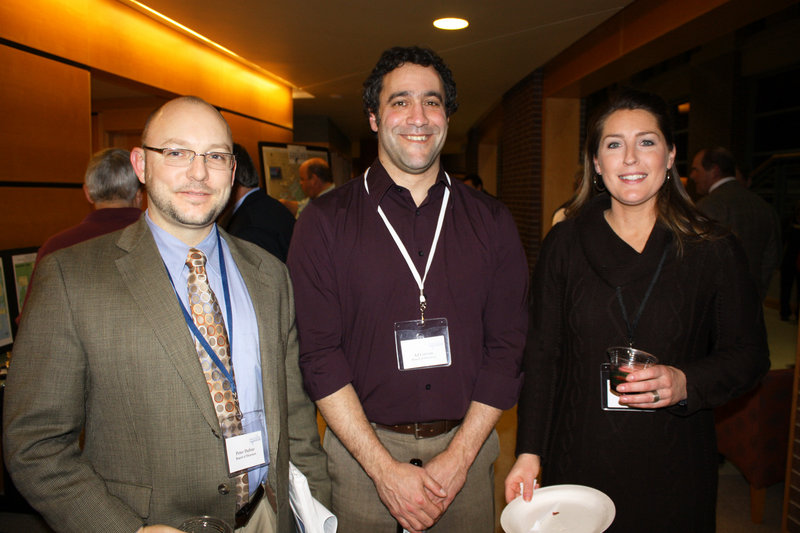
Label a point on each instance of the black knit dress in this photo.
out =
(703, 317)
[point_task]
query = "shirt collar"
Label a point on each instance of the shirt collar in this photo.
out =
(379, 182)
(240, 200)
(721, 182)
(174, 251)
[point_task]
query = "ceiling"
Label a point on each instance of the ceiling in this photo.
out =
(327, 48)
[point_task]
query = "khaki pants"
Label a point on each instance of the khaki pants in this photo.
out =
(359, 509)
(263, 520)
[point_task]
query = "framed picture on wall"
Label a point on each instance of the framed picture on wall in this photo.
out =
(280, 163)
(16, 267)
(6, 335)
(23, 269)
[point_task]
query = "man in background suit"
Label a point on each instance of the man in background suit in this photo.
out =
(745, 213)
(258, 217)
(107, 346)
(316, 179)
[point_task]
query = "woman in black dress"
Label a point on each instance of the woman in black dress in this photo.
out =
(636, 265)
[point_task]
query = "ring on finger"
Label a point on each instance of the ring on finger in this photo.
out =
(656, 396)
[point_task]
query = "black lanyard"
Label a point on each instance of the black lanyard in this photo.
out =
(632, 327)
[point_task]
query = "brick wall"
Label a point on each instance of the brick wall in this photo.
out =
(520, 160)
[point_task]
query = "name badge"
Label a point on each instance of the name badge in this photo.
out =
(244, 452)
(609, 398)
(422, 344)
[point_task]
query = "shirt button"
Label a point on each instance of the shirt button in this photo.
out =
(418, 213)
(428, 386)
(223, 488)
(421, 253)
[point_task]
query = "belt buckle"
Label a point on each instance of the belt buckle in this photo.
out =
(416, 431)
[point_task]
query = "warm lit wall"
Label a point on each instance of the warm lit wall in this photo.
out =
(249, 132)
(45, 138)
(49, 53)
(110, 36)
(560, 154)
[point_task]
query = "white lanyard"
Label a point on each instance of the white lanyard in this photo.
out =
(420, 280)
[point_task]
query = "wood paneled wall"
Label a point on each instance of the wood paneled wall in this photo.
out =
(45, 143)
(51, 125)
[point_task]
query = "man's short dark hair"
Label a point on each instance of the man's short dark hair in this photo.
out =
(721, 157)
(246, 174)
(397, 57)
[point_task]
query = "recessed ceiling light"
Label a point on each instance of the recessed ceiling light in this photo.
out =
(450, 23)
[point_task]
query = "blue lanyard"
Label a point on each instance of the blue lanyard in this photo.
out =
(228, 312)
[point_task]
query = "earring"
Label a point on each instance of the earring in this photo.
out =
(667, 179)
(599, 186)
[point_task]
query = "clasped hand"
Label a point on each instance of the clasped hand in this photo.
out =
(418, 496)
(409, 492)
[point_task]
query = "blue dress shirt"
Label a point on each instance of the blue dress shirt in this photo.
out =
(245, 352)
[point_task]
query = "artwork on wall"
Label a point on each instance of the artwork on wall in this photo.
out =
(23, 268)
(280, 163)
(16, 267)
(6, 336)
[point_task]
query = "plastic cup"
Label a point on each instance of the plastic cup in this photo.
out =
(205, 524)
(625, 360)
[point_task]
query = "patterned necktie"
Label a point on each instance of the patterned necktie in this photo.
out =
(208, 319)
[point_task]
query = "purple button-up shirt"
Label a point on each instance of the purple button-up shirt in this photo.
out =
(352, 284)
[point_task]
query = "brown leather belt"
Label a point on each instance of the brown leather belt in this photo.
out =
(423, 430)
(243, 515)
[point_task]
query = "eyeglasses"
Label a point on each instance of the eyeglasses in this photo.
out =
(181, 157)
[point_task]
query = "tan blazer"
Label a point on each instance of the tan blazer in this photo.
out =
(103, 345)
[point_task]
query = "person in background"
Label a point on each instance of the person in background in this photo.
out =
(636, 265)
(258, 217)
(111, 186)
(168, 344)
(474, 181)
(315, 180)
(406, 261)
(745, 213)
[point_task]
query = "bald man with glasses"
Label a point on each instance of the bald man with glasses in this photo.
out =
(172, 345)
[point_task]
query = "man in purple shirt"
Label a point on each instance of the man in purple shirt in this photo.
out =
(411, 295)
(111, 186)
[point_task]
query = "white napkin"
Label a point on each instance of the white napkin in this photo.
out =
(310, 515)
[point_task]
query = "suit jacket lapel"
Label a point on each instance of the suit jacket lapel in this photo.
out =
(145, 275)
(264, 296)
